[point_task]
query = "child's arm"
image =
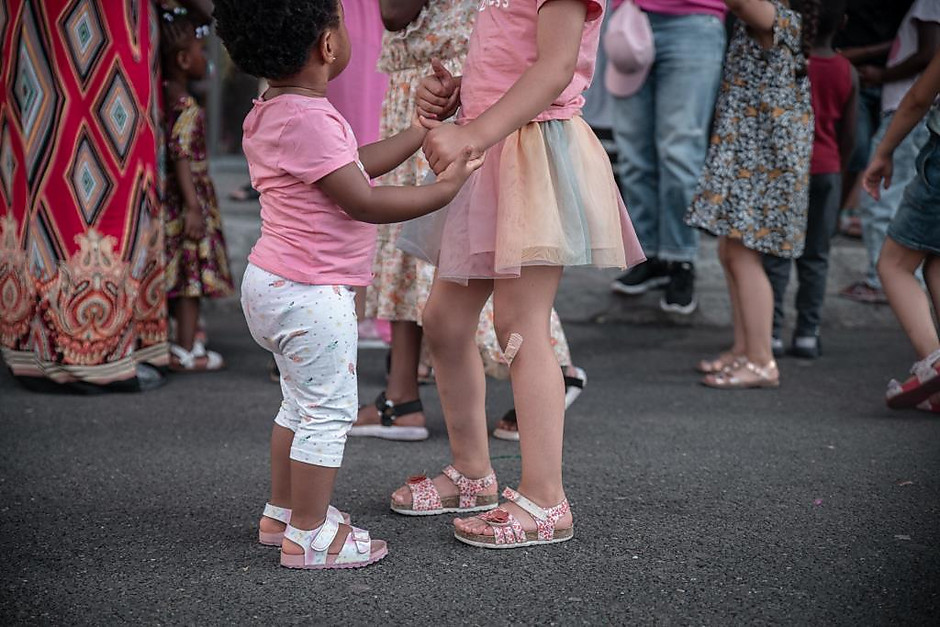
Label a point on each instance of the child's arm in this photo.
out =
(759, 15)
(397, 14)
(860, 54)
(911, 111)
(383, 205)
(847, 122)
(194, 223)
(386, 155)
(560, 26)
(928, 41)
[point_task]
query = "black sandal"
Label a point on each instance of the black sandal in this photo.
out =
(573, 388)
(387, 429)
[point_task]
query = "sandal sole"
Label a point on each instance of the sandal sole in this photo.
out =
(489, 543)
(506, 434)
(288, 561)
(915, 397)
(445, 510)
(398, 434)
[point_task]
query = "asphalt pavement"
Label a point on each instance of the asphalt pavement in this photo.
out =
(812, 504)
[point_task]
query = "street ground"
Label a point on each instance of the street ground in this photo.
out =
(812, 504)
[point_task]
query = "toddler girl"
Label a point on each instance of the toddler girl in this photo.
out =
(314, 248)
(196, 263)
(914, 241)
(544, 198)
(754, 191)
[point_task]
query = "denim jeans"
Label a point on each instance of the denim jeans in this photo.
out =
(876, 215)
(825, 195)
(662, 132)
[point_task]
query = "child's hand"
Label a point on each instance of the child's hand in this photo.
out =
(462, 167)
(443, 145)
(438, 94)
(880, 168)
(194, 226)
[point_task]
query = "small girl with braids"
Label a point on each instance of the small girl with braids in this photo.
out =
(754, 190)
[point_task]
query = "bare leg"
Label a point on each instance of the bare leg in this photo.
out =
(311, 488)
(281, 439)
(402, 377)
(522, 306)
(739, 346)
(932, 278)
(450, 324)
(755, 301)
(896, 267)
(186, 312)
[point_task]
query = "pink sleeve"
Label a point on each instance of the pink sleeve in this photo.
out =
(314, 144)
(595, 9)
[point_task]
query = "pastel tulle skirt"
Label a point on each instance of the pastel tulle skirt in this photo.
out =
(545, 195)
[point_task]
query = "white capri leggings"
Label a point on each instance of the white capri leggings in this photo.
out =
(311, 330)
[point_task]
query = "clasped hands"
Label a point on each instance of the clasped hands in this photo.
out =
(437, 99)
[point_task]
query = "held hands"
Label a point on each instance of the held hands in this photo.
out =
(880, 168)
(461, 168)
(194, 226)
(444, 144)
(438, 95)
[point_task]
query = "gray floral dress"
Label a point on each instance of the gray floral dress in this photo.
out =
(755, 185)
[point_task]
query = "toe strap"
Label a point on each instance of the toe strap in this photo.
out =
(506, 528)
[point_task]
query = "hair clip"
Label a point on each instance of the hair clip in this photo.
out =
(202, 31)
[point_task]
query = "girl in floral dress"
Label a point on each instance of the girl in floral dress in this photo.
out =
(419, 31)
(754, 191)
(196, 261)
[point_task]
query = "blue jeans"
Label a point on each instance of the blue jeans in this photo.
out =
(662, 132)
(876, 215)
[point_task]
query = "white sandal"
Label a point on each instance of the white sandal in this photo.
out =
(282, 515)
(187, 359)
(359, 549)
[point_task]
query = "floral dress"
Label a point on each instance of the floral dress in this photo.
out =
(755, 185)
(193, 268)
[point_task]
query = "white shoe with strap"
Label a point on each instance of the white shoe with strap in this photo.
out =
(358, 550)
(282, 515)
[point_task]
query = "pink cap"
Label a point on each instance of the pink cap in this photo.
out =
(628, 43)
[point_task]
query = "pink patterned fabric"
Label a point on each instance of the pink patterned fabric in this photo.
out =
(469, 488)
(424, 496)
(508, 530)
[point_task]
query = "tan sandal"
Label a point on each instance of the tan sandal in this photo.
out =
(766, 376)
(724, 361)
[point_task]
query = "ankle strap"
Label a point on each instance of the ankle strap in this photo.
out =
(545, 518)
(468, 488)
(318, 539)
(389, 411)
(280, 514)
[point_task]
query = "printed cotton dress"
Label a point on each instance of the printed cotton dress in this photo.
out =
(755, 185)
(193, 268)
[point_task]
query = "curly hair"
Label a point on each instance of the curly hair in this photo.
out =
(810, 10)
(273, 38)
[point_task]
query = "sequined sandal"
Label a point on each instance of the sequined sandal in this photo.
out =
(359, 549)
(766, 376)
(725, 361)
(426, 501)
(508, 532)
(924, 383)
(282, 515)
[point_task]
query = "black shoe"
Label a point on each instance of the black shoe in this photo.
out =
(680, 293)
(806, 347)
(646, 276)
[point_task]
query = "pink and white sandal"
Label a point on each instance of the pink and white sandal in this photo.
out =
(425, 500)
(282, 514)
(508, 532)
(924, 383)
(359, 549)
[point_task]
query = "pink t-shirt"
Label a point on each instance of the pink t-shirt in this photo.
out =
(684, 7)
(291, 142)
(503, 45)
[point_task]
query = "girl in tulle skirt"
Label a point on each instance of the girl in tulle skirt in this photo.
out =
(545, 198)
